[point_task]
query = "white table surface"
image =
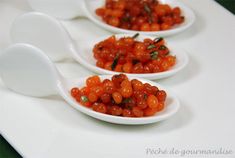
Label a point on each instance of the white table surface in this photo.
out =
(49, 127)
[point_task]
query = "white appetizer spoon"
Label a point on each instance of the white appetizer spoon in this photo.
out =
(49, 35)
(25, 69)
(68, 9)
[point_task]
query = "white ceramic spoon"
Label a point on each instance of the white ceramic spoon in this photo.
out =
(27, 70)
(68, 9)
(48, 34)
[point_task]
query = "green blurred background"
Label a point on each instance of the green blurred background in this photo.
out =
(7, 151)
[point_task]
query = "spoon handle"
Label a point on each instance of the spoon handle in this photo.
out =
(62, 9)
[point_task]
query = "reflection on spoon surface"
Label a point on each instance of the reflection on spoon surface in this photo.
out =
(68, 9)
(25, 29)
(25, 69)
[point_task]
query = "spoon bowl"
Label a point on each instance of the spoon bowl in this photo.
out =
(68, 9)
(60, 42)
(52, 37)
(84, 55)
(25, 69)
(172, 104)
(90, 6)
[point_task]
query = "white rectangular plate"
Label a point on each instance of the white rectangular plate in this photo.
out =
(48, 127)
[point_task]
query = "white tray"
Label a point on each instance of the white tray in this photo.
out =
(48, 127)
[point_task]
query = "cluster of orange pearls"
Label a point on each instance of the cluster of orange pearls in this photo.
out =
(140, 15)
(128, 55)
(120, 96)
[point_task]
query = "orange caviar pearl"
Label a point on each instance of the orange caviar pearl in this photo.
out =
(118, 68)
(160, 106)
(165, 26)
(93, 81)
(152, 101)
(107, 83)
(84, 101)
(98, 90)
(171, 60)
(126, 113)
(126, 91)
(105, 98)
(100, 63)
(142, 104)
(159, 9)
(100, 11)
(137, 112)
(176, 11)
(107, 66)
(109, 89)
(126, 83)
(145, 27)
(75, 91)
(117, 97)
(155, 27)
(161, 95)
(92, 97)
(137, 85)
(117, 13)
(85, 90)
(114, 21)
(100, 107)
(150, 111)
(127, 67)
(116, 110)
